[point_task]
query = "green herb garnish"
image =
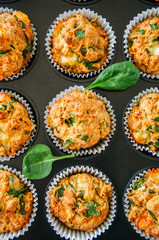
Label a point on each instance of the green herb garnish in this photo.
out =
(85, 138)
(156, 119)
(141, 32)
(70, 121)
(139, 183)
(16, 193)
(155, 39)
(148, 51)
(67, 143)
(149, 128)
(152, 214)
(28, 48)
(154, 26)
(72, 186)
(5, 51)
(37, 163)
(132, 202)
(83, 51)
(80, 33)
(22, 210)
(22, 24)
(59, 192)
(107, 125)
(130, 41)
(118, 76)
(91, 210)
(151, 191)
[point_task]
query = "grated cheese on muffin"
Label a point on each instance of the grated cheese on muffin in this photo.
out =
(144, 203)
(143, 121)
(79, 120)
(79, 45)
(15, 203)
(16, 38)
(15, 125)
(143, 44)
(81, 201)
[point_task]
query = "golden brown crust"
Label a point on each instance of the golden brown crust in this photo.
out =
(144, 45)
(79, 117)
(81, 201)
(144, 203)
(15, 125)
(82, 54)
(15, 42)
(15, 208)
(143, 121)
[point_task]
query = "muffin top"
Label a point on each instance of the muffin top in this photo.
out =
(144, 203)
(79, 120)
(143, 44)
(15, 203)
(79, 45)
(143, 121)
(16, 38)
(15, 125)
(81, 201)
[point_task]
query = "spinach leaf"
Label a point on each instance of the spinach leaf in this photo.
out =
(85, 138)
(5, 51)
(155, 144)
(67, 143)
(15, 192)
(155, 39)
(141, 32)
(88, 65)
(59, 192)
(118, 76)
(22, 205)
(152, 214)
(83, 51)
(22, 24)
(139, 183)
(149, 128)
(37, 163)
(72, 186)
(130, 41)
(157, 128)
(80, 33)
(148, 51)
(154, 26)
(91, 210)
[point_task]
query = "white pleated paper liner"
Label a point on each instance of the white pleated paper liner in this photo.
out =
(33, 116)
(20, 232)
(98, 148)
(126, 204)
(102, 23)
(139, 18)
(32, 58)
(81, 2)
(143, 150)
(73, 234)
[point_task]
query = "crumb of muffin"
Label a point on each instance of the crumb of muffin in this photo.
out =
(15, 125)
(16, 38)
(143, 121)
(79, 45)
(79, 120)
(15, 203)
(144, 203)
(81, 201)
(143, 43)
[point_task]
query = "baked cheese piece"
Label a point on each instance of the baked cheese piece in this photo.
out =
(81, 201)
(79, 45)
(143, 121)
(144, 203)
(16, 203)
(79, 120)
(15, 125)
(16, 37)
(143, 44)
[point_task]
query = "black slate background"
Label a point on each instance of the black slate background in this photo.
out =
(41, 84)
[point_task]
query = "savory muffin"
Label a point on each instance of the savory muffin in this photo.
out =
(144, 203)
(79, 120)
(16, 39)
(79, 45)
(143, 46)
(143, 121)
(15, 125)
(81, 201)
(15, 203)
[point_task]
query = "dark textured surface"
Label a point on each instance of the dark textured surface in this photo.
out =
(41, 84)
